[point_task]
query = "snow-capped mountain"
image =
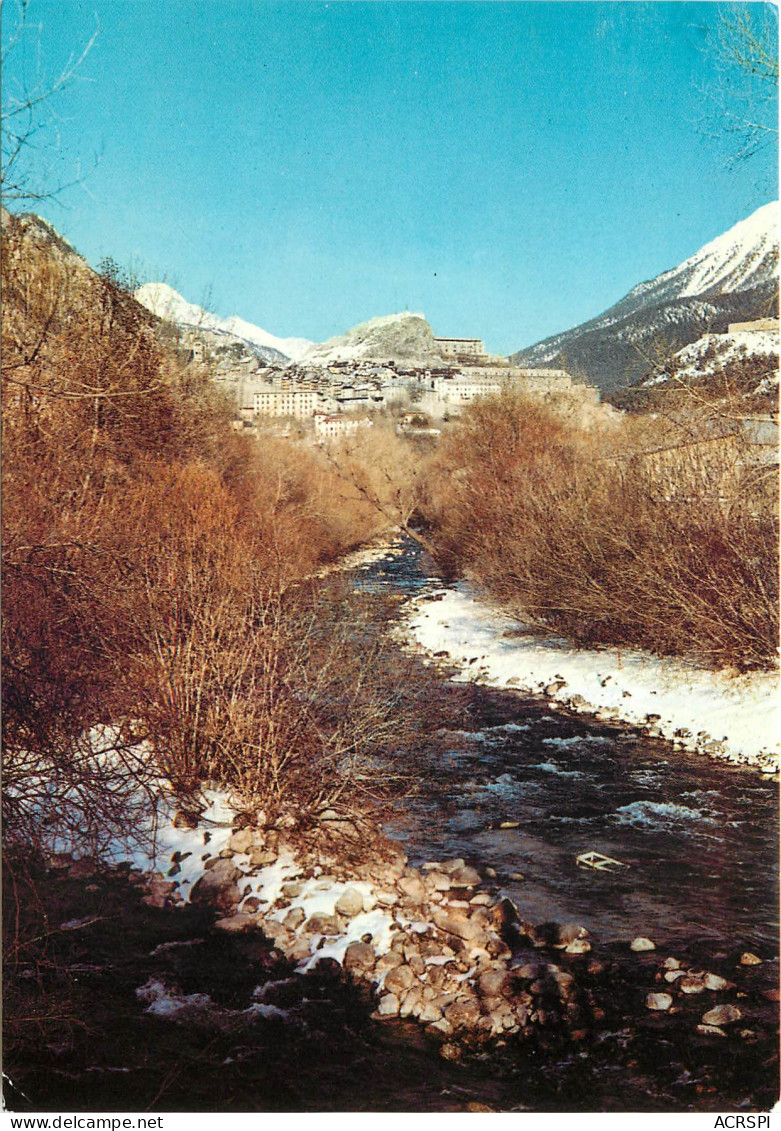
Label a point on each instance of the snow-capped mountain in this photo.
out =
(400, 337)
(164, 302)
(733, 278)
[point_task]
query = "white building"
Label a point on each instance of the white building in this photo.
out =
(285, 402)
(328, 426)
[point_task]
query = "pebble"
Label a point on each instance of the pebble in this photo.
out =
(689, 985)
(725, 1014)
(236, 924)
(715, 982)
(399, 979)
(749, 959)
(388, 1005)
(641, 944)
(359, 957)
(711, 1031)
(349, 903)
(659, 1002)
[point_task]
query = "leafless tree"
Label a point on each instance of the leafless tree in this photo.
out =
(29, 121)
(744, 97)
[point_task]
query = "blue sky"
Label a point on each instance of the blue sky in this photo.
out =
(509, 169)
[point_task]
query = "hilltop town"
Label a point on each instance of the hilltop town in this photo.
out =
(393, 364)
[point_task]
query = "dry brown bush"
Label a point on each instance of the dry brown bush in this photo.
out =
(155, 569)
(638, 534)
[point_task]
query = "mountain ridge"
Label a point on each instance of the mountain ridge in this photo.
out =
(733, 277)
(166, 303)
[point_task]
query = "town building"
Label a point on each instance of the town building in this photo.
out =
(460, 347)
(331, 426)
(758, 326)
(285, 402)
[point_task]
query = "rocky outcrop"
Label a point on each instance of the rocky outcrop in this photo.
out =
(394, 337)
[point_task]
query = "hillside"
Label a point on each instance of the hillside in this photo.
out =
(734, 278)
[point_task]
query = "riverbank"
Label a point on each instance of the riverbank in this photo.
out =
(731, 717)
(252, 946)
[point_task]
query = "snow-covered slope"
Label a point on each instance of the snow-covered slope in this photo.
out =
(746, 256)
(733, 278)
(165, 302)
(404, 337)
(712, 352)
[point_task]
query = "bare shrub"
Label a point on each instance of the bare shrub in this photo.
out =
(155, 570)
(634, 535)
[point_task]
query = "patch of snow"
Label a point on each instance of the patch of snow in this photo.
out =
(166, 1003)
(690, 362)
(375, 923)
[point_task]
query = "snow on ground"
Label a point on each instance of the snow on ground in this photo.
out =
(726, 348)
(158, 848)
(731, 717)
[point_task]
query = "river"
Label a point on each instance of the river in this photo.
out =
(699, 836)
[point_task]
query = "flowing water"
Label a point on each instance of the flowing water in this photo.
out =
(699, 837)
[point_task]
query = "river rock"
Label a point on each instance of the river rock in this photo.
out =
(450, 866)
(359, 958)
(660, 1002)
(463, 1014)
(568, 933)
(158, 891)
(438, 881)
(399, 979)
(565, 983)
(236, 924)
(530, 971)
(714, 982)
(388, 961)
(578, 946)
(455, 923)
(260, 856)
(294, 918)
(492, 982)
(711, 1031)
(674, 975)
(242, 840)
(504, 915)
(388, 1006)
(442, 1027)
(217, 887)
(386, 898)
(465, 877)
(671, 964)
(320, 924)
(437, 976)
(413, 887)
(278, 933)
(412, 1000)
(417, 964)
(691, 985)
(641, 944)
(749, 959)
(350, 903)
(725, 1014)
(427, 1011)
(482, 899)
